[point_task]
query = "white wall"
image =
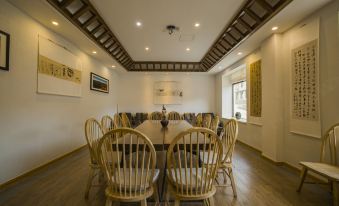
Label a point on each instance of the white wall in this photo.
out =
(274, 138)
(36, 128)
(137, 92)
(250, 132)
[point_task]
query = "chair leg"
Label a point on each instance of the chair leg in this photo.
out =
(156, 193)
(302, 178)
(167, 195)
(177, 202)
(211, 201)
(108, 202)
(230, 172)
(335, 193)
(144, 202)
(89, 182)
(225, 177)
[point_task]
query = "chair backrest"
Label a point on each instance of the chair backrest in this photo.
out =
(183, 166)
(125, 120)
(155, 116)
(174, 116)
(199, 120)
(207, 121)
(131, 175)
(215, 123)
(329, 144)
(117, 121)
(107, 123)
(228, 136)
(93, 133)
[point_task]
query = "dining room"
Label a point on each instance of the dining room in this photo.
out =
(169, 102)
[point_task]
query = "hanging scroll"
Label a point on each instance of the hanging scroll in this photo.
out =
(255, 89)
(305, 82)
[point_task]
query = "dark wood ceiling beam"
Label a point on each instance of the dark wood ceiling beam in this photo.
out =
(221, 47)
(244, 24)
(65, 3)
(265, 5)
(253, 15)
(80, 12)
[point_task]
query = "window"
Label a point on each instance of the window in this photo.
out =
(239, 100)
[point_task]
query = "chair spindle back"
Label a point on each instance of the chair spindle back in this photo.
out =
(184, 170)
(131, 175)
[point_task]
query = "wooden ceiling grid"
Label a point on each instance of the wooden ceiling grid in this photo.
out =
(250, 17)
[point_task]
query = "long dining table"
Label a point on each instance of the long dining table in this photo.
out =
(161, 139)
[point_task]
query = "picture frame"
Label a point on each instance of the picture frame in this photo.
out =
(4, 50)
(99, 83)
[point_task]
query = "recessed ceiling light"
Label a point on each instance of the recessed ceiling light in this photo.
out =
(94, 52)
(55, 23)
(138, 23)
(146, 48)
(275, 28)
(239, 53)
(197, 24)
(113, 66)
(188, 49)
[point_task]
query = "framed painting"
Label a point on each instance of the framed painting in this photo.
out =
(99, 83)
(4, 50)
(168, 92)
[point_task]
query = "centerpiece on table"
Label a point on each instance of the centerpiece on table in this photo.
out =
(164, 121)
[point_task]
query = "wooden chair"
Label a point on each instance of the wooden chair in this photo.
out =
(117, 121)
(125, 120)
(199, 120)
(155, 116)
(174, 116)
(189, 117)
(207, 121)
(134, 178)
(189, 181)
(107, 123)
(327, 169)
(215, 124)
(228, 138)
(93, 133)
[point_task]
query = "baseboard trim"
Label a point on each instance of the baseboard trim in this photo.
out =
(39, 168)
(249, 146)
(284, 164)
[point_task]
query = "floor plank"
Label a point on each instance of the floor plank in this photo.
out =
(258, 181)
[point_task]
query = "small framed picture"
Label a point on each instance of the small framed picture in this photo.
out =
(4, 50)
(99, 83)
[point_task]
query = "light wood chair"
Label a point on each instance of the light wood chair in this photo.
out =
(187, 180)
(107, 123)
(125, 121)
(117, 121)
(207, 121)
(155, 116)
(134, 179)
(199, 120)
(93, 133)
(174, 116)
(215, 124)
(228, 137)
(328, 165)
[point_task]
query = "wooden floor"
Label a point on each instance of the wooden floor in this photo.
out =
(258, 181)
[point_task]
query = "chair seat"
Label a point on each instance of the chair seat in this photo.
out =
(191, 181)
(210, 160)
(124, 178)
(327, 170)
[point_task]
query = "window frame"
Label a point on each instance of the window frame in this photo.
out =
(234, 83)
